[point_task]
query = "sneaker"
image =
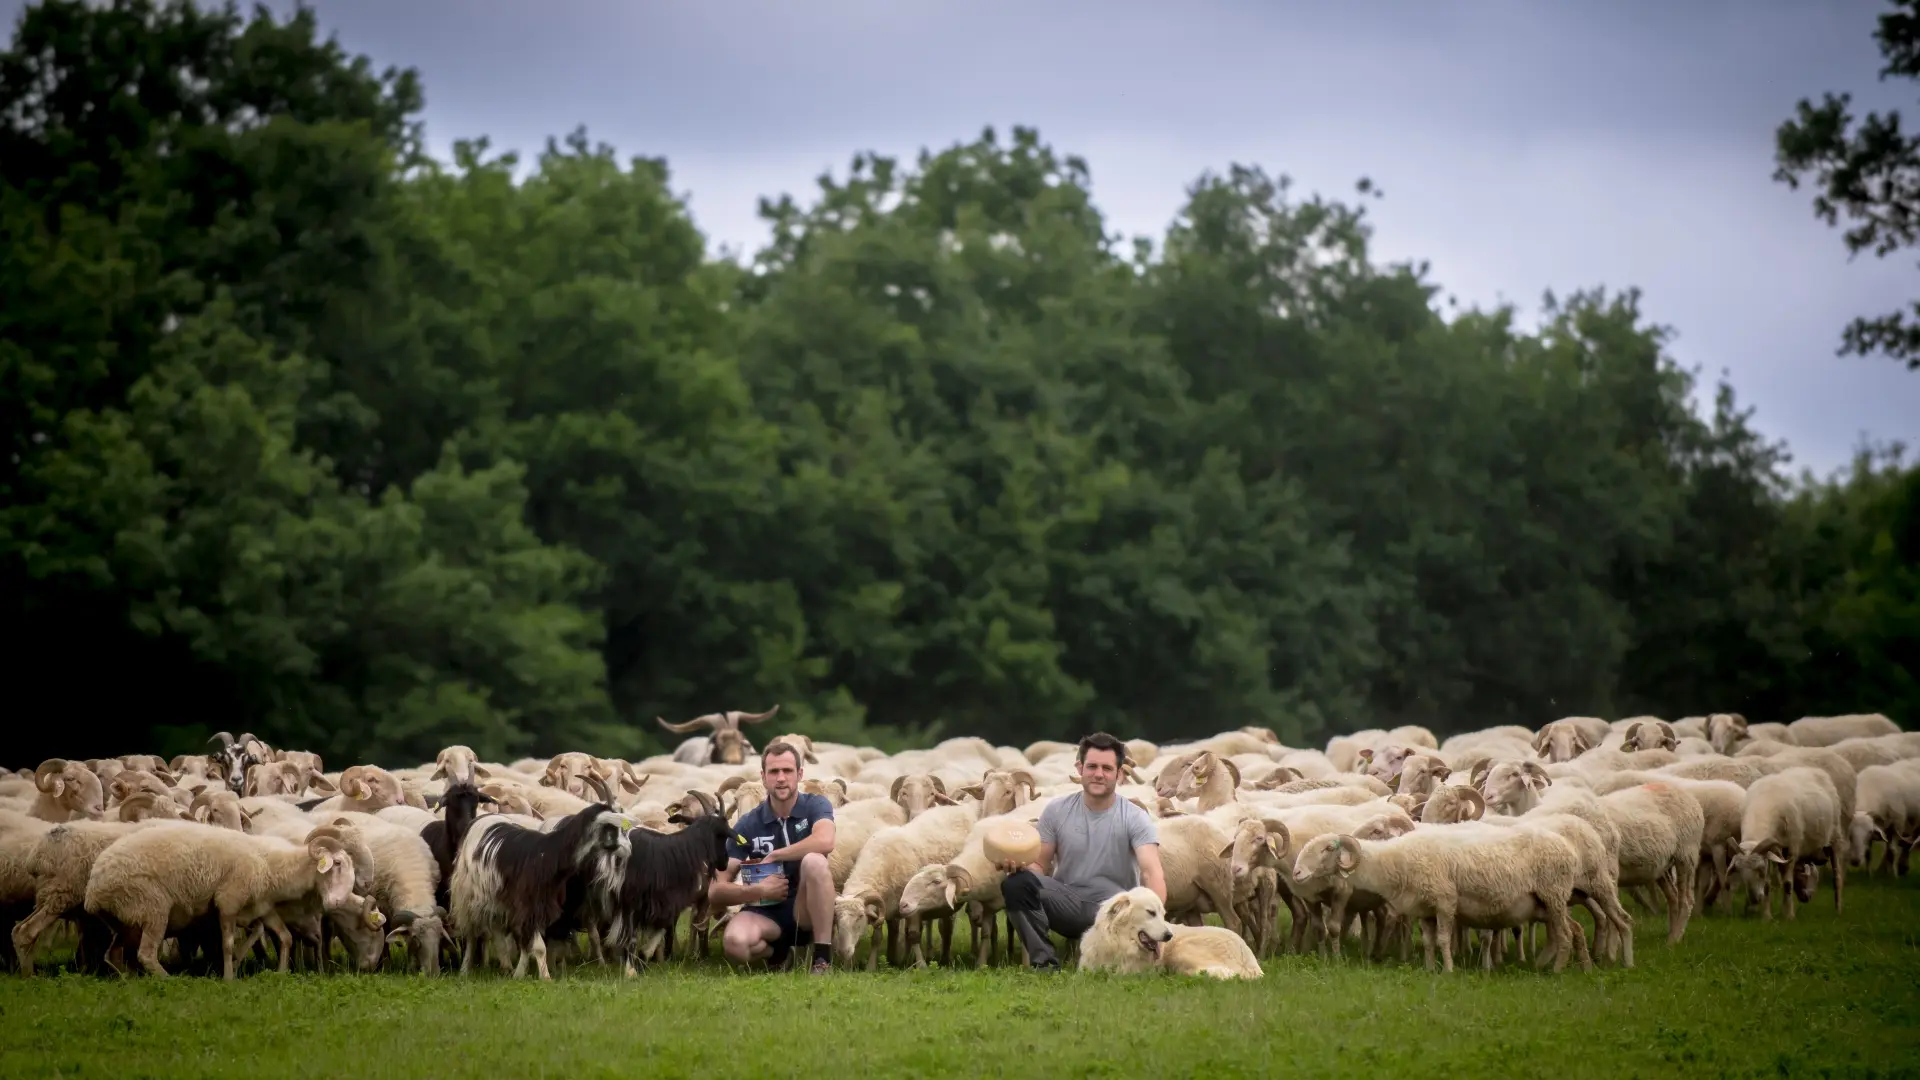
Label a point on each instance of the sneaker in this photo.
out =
(823, 967)
(1046, 965)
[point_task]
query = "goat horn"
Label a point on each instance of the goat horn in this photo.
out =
(754, 718)
(600, 786)
(690, 725)
(225, 737)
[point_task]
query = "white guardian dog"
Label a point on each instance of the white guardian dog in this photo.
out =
(1131, 934)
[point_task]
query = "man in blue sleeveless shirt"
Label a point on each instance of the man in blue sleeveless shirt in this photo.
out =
(782, 846)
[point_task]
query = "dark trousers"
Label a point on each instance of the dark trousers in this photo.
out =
(1037, 904)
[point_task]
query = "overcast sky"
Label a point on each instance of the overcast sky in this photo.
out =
(1523, 145)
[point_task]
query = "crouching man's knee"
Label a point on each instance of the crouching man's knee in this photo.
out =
(814, 866)
(739, 940)
(1021, 890)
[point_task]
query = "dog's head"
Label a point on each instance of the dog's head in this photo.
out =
(1138, 914)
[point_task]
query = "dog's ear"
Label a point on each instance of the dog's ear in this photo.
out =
(1120, 905)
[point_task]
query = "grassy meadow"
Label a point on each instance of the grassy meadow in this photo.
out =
(1826, 995)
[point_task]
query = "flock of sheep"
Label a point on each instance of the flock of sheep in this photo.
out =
(1477, 841)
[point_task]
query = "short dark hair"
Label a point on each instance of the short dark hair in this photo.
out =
(780, 746)
(1100, 740)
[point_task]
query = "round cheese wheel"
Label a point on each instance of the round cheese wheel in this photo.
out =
(1011, 840)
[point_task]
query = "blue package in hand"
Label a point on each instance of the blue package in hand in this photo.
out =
(756, 873)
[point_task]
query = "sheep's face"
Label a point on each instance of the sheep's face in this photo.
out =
(1560, 741)
(424, 933)
(853, 916)
(1421, 773)
(371, 785)
(1384, 764)
(455, 765)
(1860, 836)
(834, 791)
(1450, 805)
(925, 892)
(1806, 879)
(1002, 791)
(1256, 843)
(363, 928)
(335, 873)
(1725, 731)
(1753, 867)
(1511, 787)
(1325, 858)
(1643, 735)
(919, 792)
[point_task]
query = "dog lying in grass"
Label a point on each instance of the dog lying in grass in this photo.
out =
(1131, 934)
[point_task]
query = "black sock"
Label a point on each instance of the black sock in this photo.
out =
(822, 954)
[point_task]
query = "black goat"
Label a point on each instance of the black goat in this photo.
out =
(666, 874)
(444, 835)
(512, 881)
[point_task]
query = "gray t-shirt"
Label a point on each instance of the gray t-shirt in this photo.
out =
(1093, 852)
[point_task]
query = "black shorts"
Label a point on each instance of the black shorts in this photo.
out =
(790, 931)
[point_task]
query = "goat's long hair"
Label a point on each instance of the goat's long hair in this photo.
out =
(667, 873)
(534, 868)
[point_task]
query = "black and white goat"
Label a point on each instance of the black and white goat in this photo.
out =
(235, 756)
(510, 882)
(666, 874)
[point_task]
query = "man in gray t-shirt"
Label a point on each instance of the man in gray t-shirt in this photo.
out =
(1091, 846)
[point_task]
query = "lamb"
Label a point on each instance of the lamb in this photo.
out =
(1493, 880)
(1130, 934)
(1790, 817)
(158, 879)
(511, 881)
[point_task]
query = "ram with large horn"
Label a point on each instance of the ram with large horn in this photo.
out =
(725, 745)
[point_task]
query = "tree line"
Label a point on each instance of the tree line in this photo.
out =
(313, 435)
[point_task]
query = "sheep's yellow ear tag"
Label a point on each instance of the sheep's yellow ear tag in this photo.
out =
(326, 863)
(376, 920)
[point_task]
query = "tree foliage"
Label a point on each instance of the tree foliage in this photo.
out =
(1866, 169)
(314, 436)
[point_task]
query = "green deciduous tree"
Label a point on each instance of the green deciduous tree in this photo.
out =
(1866, 169)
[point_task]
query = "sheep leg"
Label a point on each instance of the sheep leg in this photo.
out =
(282, 937)
(1839, 856)
(152, 932)
(1297, 912)
(1336, 927)
(1788, 900)
(26, 935)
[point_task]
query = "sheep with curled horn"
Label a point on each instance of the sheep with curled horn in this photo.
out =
(724, 745)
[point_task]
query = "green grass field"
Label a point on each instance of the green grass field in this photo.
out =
(1823, 996)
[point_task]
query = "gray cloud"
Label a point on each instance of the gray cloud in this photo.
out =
(1523, 146)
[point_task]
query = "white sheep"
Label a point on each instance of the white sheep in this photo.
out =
(1491, 879)
(1827, 730)
(157, 880)
(1790, 818)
